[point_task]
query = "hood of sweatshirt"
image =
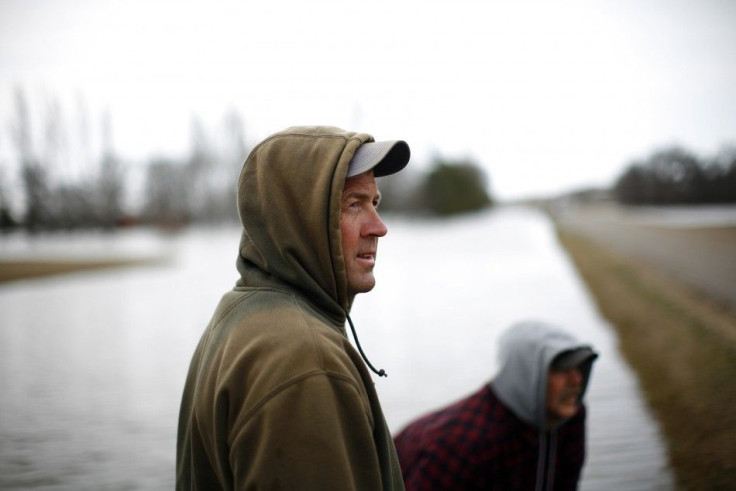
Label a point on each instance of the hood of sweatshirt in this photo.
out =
(526, 351)
(289, 195)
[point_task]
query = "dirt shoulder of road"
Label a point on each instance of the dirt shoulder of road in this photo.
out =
(14, 270)
(682, 345)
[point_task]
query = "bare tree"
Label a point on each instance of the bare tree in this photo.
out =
(33, 172)
(71, 192)
(7, 221)
(236, 150)
(84, 134)
(111, 178)
(721, 175)
(199, 171)
(167, 196)
(676, 176)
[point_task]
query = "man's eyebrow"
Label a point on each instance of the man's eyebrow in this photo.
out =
(363, 195)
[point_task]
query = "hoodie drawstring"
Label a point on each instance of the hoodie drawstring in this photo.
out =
(381, 372)
(551, 458)
(541, 457)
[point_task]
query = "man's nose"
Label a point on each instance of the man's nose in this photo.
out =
(375, 226)
(576, 376)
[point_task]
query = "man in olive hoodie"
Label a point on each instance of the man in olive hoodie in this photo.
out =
(276, 396)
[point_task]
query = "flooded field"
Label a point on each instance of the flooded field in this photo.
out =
(92, 364)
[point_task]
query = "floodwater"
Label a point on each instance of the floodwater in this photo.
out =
(92, 364)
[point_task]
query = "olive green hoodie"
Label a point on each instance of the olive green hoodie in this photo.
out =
(276, 396)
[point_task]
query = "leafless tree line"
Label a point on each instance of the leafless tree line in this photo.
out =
(675, 175)
(53, 187)
(175, 192)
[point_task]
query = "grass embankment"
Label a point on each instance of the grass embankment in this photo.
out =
(18, 270)
(683, 348)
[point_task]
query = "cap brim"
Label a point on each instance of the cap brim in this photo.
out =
(385, 158)
(574, 358)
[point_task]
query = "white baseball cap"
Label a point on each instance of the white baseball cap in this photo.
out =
(385, 158)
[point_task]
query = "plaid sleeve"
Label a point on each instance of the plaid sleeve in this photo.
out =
(442, 450)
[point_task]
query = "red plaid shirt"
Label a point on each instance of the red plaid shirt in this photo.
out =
(477, 443)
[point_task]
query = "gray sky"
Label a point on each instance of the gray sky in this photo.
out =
(546, 95)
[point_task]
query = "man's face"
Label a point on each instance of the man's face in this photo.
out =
(361, 227)
(563, 393)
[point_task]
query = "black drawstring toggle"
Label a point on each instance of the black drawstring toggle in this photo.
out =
(381, 372)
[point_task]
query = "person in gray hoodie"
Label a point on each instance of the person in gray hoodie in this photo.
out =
(525, 430)
(276, 396)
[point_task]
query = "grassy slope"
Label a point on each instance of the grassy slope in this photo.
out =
(683, 348)
(18, 270)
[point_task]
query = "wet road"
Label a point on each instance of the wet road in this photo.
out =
(697, 246)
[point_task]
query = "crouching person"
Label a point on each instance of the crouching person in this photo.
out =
(525, 430)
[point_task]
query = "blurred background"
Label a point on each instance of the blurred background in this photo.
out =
(572, 161)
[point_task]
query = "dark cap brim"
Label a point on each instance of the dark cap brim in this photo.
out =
(573, 358)
(385, 158)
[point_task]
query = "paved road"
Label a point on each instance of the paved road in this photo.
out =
(701, 254)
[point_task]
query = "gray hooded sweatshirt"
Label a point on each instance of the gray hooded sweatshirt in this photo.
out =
(526, 351)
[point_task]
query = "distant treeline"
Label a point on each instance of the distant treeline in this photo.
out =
(449, 187)
(40, 192)
(677, 176)
(67, 175)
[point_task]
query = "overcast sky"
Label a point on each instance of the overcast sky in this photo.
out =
(547, 95)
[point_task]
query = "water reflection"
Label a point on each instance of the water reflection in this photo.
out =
(92, 364)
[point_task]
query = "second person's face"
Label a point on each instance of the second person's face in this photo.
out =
(563, 393)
